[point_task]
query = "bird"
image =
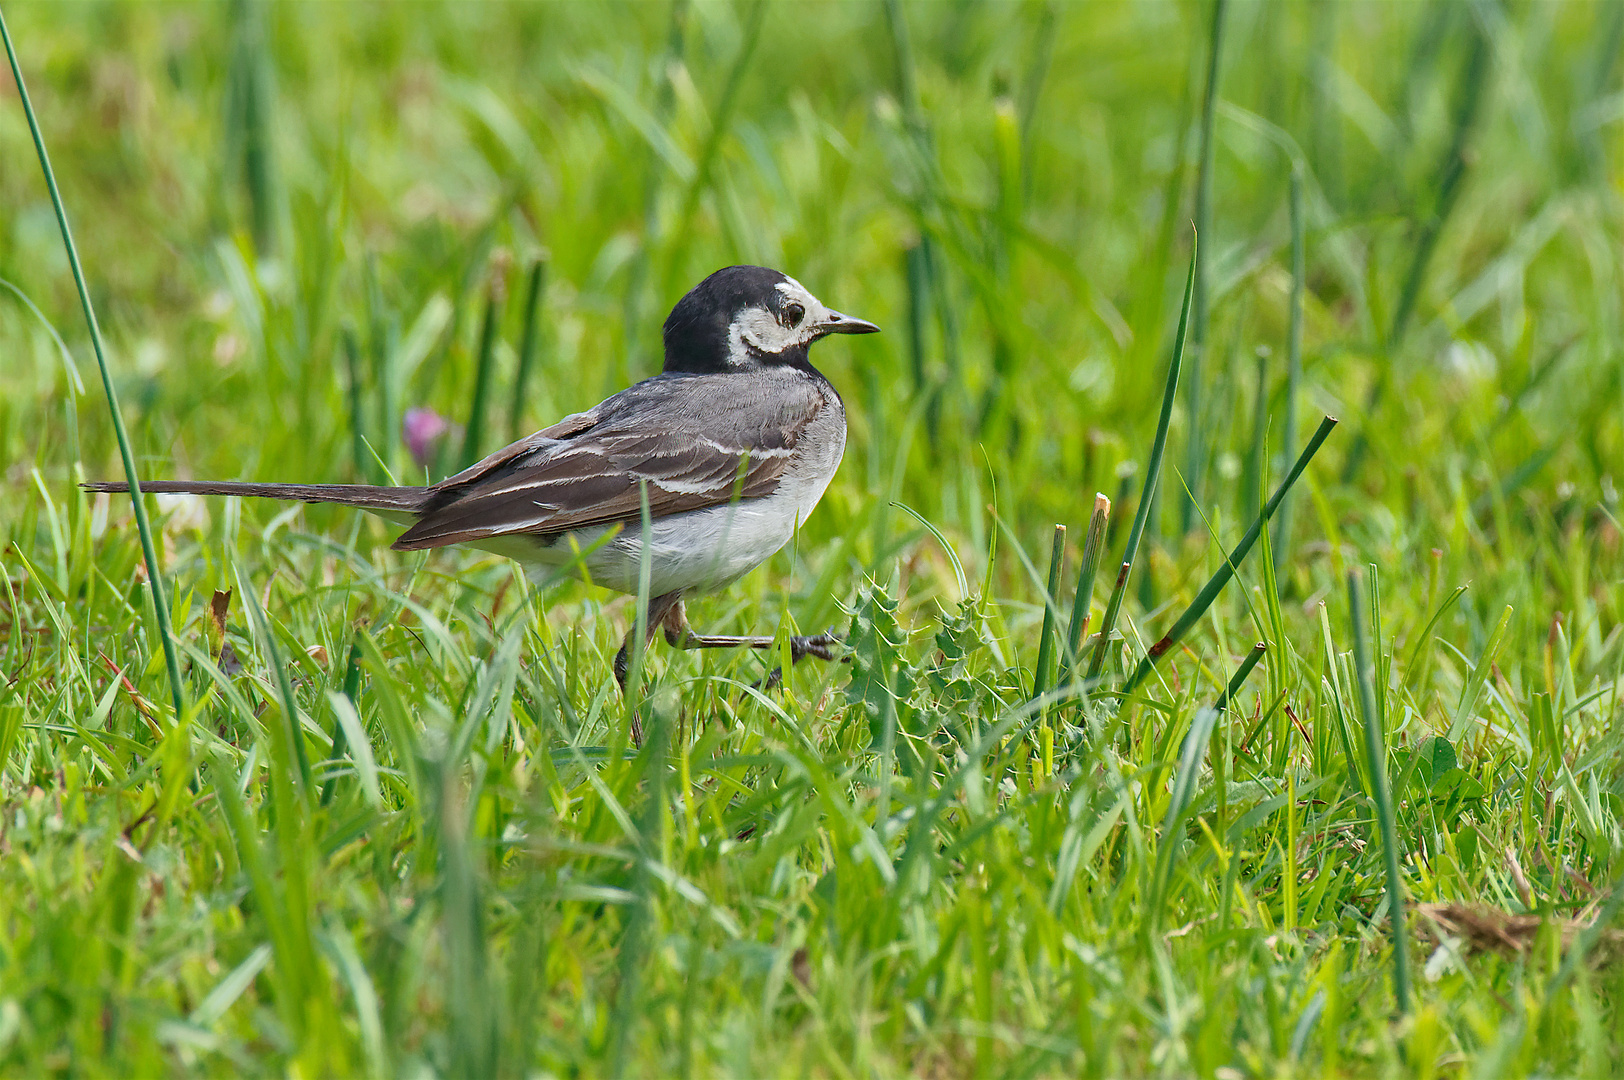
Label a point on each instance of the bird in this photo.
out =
(729, 448)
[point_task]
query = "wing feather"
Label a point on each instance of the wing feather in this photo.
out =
(691, 440)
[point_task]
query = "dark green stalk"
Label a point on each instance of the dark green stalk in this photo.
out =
(1294, 356)
(1252, 479)
(925, 207)
(358, 420)
(721, 120)
(352, 690)
(1051, 606)
(529, 344)
(1195, 458)
(149, 552)
(485, 364)
(1451, 172)
(918, 303)
(1093, 549)
(637, 273)
(261, 620)
(1237, 680)
(252, 96)
(1376, 757)
(1221, 577)
(1191, 753)
(1152, 473)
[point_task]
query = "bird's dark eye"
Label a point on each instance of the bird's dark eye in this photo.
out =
(793, 314)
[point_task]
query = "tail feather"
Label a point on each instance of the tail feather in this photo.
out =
(408, 500)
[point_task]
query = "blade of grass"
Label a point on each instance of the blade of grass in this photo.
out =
(358, 423)
(149, 552)
(1184, 783)
(1468, 101)
(1152, 473)
(352, 691)
(1195, 457)
(1237, 680)
(1093, 550)
(1252, 480)
(529, 344)
(1221, 577)
(1375, 756)
(495, 295)
(1051, 605)
(1294, 357)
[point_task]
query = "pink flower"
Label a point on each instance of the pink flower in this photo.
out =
(423, 430)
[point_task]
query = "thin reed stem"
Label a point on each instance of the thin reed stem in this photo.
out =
(1093, 549)
(529, 344)
(484, 366)
(1152, 473)
(1051, 606)
(1196, 451)
(149, 551)
(1294, 357)
(1221, 577)
(1375, 755)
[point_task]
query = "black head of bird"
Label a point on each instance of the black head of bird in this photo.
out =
(749, 316)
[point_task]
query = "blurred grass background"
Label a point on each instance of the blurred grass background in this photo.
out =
(301, 221)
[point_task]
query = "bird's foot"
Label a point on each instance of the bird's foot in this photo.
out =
(823, 646)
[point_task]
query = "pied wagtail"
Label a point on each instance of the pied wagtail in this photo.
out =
(733, 443)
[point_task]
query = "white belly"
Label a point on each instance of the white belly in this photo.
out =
(702, 550)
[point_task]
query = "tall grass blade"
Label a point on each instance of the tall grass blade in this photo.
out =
(637, 273)
(529, 344)
(1252, 479)
(1195, 458)
(252, 104)
(149, 552)
(1294, 356)
(1375, 757)
(352, 691)
(1093, 549)
(361, 457)
(1153, 472)
(1051, 606)
(918, 308)
(1221, 577)
(1468, 101)
(1184, 785)
(485, 364)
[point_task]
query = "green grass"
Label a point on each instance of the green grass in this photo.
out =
(402, 826)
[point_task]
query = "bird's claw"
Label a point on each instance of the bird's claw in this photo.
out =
(823, 646)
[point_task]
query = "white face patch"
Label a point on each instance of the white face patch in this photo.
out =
(761, 329)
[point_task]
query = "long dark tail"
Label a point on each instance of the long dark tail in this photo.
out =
(406, 500)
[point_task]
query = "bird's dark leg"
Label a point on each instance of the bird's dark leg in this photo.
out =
(681, 636)
(659, 609)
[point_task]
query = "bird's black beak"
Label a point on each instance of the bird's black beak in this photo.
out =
(836, 323)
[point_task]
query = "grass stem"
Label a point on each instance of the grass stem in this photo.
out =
(1294, 357)
(149, 552)
(1375, 755)
(1093, 549)
(1051, 607)
(529, 344)
(1221, 577)
(1152, 473)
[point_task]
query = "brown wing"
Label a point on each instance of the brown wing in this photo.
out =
(689, 441)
